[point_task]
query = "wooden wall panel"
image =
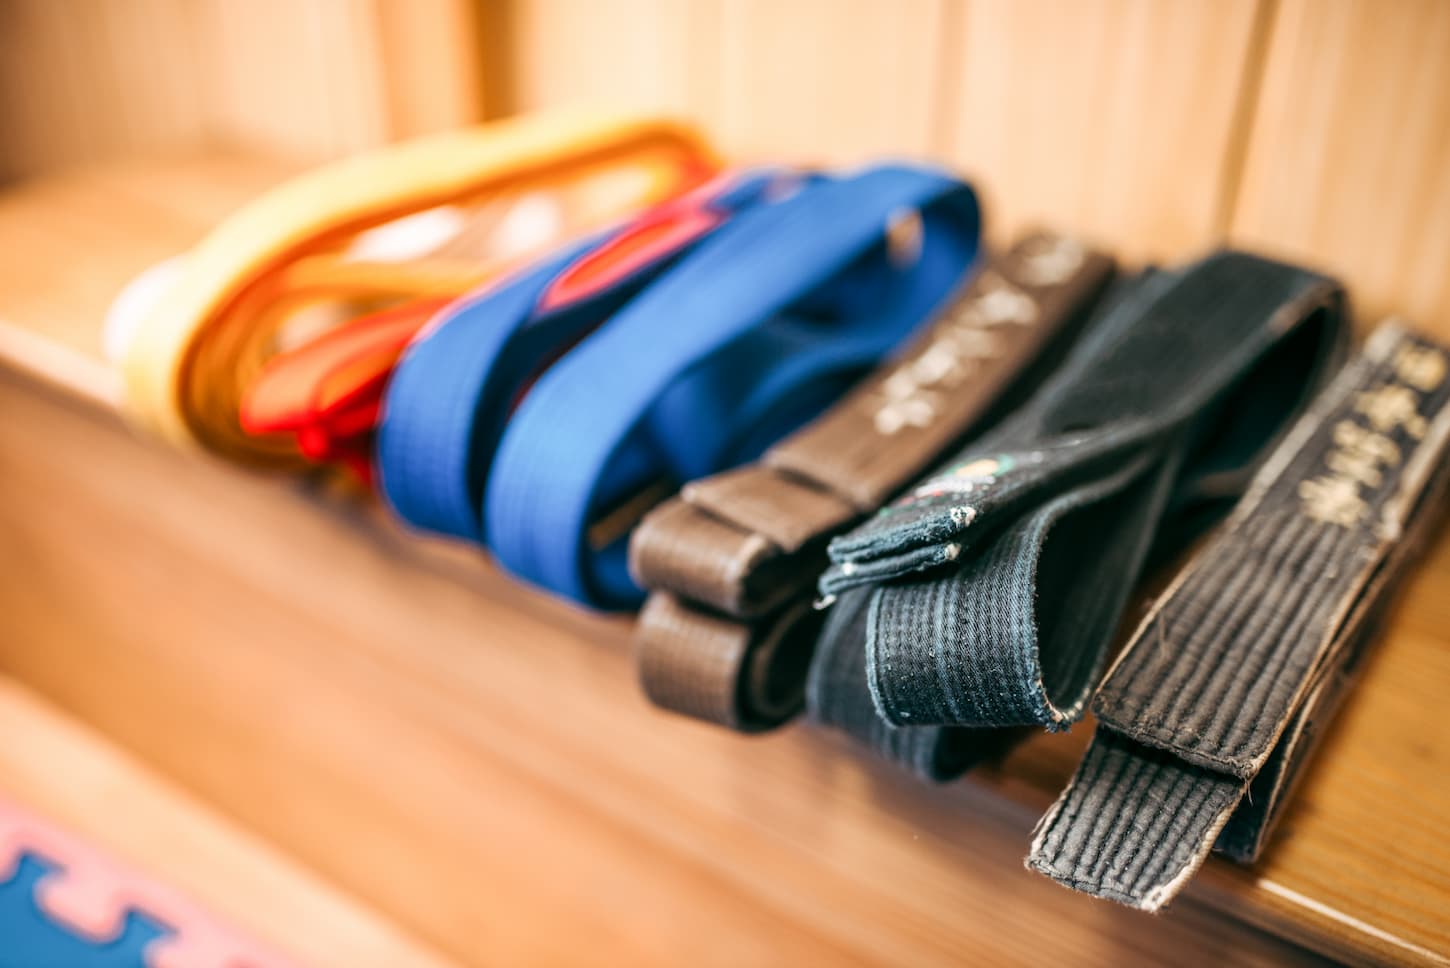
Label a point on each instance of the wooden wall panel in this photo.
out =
(87, 78)
(1119, 118)
(831, 80)
(1349, 159)
(300, 80)
(431, 53)
(91, 80)
(645, 55)
(323, 78)
(1318, 129)
(1111, 117)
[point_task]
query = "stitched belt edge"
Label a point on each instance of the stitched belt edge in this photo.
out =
(1149, 802)
(720, 659)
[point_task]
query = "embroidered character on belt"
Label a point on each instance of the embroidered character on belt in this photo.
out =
(1362, 452)
(912, 392)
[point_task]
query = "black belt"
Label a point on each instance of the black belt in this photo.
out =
(727, 633)
(1210, 713)
(986, 597)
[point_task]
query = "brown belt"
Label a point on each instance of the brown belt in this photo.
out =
(1214, 708)
(727, 633)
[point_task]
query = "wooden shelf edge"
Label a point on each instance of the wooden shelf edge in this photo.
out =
(58, 365)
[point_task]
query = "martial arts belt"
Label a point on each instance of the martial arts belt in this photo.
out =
(458, 385)
(703, 365)
(63, 904)
(731, 562)
(330, 391)
(985, 599)
(202, 343)
(1214, 708)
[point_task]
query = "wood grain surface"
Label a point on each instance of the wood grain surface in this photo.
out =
(1114, 118)
(87, 80)
(66, 773)
(1348, 161)
(71, 241)
(554, 55)
(474, 760)
(100, 80)
(845, 80)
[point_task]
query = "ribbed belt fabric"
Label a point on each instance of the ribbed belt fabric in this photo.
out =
(458, 384)
(987, 596)
(201, 345)
(732, 561)
(737, 343)
(767, 323)
(1212, 711)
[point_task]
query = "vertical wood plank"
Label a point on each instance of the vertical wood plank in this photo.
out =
(89, 78)
(431, 51)
(627, 54)
(1112, 118)
(300, 80)
(831, 80)
(1348, 163)
(323, 78)
(827, 80)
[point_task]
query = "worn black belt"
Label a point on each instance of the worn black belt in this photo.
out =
(727, 632)
(1210, 713)
(986, 597)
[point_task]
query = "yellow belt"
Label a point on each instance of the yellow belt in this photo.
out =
(211, 329)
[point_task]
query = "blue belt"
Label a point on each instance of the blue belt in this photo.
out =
(451, 393)
(701, 364)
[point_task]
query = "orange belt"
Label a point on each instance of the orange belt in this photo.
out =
(328, 393)
(267, 269)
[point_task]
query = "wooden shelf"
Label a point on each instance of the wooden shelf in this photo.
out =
(66, 773)
(72, 241)
(474, 760)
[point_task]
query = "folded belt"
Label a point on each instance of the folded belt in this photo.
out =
(1211, 712)
(456, 387)
(987, 596)
(750, 335)
(192, 355)
(328, 392)
(732, 561)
